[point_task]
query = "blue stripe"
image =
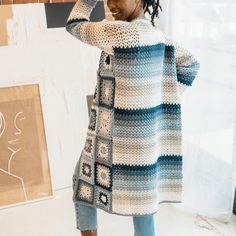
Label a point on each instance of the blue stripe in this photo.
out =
(118, 168)
(148, 113)
(186, 79)
(139, 129)
(140, 52)
(75, 21)
(172, 160)
(139, 49)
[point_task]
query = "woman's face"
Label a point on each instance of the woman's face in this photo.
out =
(126, 10)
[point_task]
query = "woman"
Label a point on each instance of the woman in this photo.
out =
(132, 157)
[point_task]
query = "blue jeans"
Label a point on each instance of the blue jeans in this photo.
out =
(86, 219)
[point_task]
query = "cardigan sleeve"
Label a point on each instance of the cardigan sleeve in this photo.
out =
(187, 67)
(101, 34)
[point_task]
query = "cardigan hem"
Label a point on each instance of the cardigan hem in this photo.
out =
(122, 214)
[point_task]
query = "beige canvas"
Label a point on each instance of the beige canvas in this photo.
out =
(5, 14)
(24, 165)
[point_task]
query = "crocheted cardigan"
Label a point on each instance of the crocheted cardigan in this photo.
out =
(132, 158)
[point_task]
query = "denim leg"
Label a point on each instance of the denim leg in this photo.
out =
(86, 217)
(144, 225)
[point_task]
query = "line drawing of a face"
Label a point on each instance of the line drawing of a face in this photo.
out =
(19, 116)
(24, 163)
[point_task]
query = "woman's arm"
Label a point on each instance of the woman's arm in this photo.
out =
(187, 65)
(103, 34)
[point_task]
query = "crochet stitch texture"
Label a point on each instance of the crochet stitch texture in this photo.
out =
(132, 158)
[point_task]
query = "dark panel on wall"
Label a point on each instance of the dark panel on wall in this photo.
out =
(57, 13)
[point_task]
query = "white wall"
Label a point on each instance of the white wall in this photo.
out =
(66, 71)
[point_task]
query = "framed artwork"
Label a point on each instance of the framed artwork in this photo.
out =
(24, 164)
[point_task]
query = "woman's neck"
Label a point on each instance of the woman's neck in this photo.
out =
(137, 13)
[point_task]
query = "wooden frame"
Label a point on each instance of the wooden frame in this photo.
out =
(24, 165)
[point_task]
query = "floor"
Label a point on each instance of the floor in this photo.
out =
(56, 217)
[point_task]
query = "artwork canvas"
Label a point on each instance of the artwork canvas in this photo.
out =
(24, 164)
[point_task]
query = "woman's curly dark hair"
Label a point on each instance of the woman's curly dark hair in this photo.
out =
(154, 4)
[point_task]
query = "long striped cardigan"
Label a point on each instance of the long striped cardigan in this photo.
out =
(132, 158)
